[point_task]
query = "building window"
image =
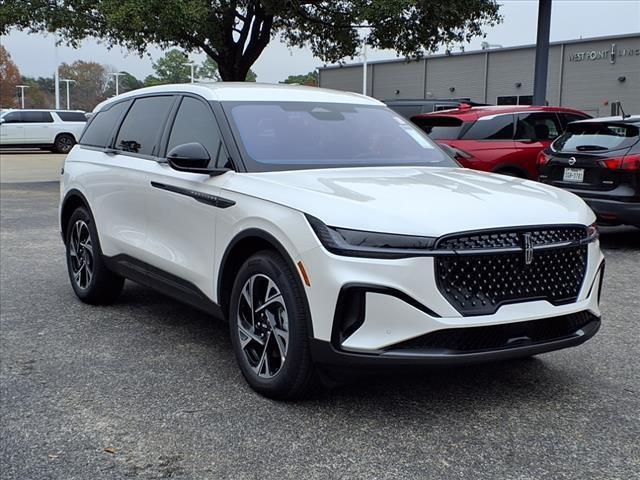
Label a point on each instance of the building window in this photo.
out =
(515, 100)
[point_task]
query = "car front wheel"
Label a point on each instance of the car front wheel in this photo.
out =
(268, 325)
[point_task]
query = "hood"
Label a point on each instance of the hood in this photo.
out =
(415, 200)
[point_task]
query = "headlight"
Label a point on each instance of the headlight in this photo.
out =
(593, 232)
(358, 243)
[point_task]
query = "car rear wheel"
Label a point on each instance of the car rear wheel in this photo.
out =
(64, 143)
(91, 280)
(268, 325)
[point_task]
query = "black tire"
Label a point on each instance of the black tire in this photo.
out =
(296, 376)
(101, 286)
(64, 143)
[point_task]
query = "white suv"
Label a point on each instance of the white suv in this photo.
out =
(326, 228)
(56, 130)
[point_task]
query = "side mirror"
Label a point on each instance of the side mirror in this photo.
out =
(1, 120)
(192, 157)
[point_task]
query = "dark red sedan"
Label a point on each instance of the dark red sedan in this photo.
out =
(501, 139)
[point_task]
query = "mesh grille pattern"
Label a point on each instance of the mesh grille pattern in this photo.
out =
(501, 336)
(539, 236)
(480, 284)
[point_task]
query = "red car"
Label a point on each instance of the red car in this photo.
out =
(502, 139)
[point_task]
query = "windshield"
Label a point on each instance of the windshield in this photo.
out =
(299, 135)
(591, 136)
(440, 128)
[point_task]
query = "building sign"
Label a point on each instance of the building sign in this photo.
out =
(610, 54)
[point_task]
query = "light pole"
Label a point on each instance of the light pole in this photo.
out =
(192, 65)
(56, 75)
(22, 87)
(67, 81)
(117, 75)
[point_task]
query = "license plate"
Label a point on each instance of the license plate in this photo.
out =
(573, 175)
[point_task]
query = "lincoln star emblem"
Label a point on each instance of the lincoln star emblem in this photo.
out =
(572, 161)
(528, 249)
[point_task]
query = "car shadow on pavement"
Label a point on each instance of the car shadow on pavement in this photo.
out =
(494, 383)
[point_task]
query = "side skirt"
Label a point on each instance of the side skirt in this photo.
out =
(163, 282)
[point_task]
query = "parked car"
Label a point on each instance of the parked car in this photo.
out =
(599, 160)
(500, 139)
(326, 228)
(408, 108)
(56, 130)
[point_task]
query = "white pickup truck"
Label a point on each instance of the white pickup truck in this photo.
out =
(56, 130)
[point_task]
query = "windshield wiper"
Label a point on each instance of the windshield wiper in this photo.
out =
(583, 148)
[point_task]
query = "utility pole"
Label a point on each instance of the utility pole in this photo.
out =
(22, 87)
(542, 53)
(56, 75)
(192, 65)
(67, 81)
(364, 67)
(117, 76)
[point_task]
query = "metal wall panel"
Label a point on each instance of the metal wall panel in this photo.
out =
(464, 73)
(590, 80)
(347, 78)
(406, 78)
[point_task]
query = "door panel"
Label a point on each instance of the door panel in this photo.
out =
(181, 229)
(12, 129)
(38, 127)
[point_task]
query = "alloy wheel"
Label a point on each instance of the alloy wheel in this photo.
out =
(65, 144)
(81, 254)
(263, 325)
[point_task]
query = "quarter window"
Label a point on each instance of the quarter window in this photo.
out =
(98, 132)
(195, 123)
(496, 128)
(538, 126)
(143, 124)
(72, 116)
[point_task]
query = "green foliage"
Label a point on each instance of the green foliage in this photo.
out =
(126, 83)
(310, 79)
(171, 67)
(208, 70)
(235, 33)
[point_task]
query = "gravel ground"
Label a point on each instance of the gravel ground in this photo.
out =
(148, 388)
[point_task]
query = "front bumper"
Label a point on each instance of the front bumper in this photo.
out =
(326, 353)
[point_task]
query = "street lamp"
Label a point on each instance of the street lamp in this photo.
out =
(192, 65)
(22, 87)
(67, 81)
(117, 75)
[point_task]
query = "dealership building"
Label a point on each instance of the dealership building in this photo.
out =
(591, 74)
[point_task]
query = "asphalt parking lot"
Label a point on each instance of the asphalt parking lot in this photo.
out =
(148, 388)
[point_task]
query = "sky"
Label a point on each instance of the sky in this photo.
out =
(34, 54)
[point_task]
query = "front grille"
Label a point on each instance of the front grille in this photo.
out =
(509, 239)
(473, 339)
(479, 283)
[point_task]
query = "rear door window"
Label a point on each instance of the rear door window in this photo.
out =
(440, 127)
(36, 117)
(541, 126)
(491, 128)
(595, 137)
(98, 131)
(143, 124)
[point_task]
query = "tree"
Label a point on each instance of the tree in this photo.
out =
(171, 67)
(209, 70)
(126, 83)
(9, 79)
(234, 33)
(40, 93)
(91, 83)
(310, 79)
